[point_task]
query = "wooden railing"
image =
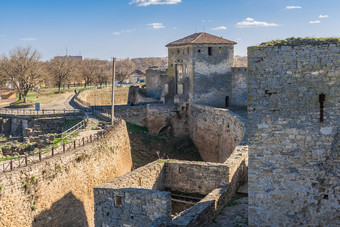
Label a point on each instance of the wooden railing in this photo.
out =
(43, 112)
(10, 165)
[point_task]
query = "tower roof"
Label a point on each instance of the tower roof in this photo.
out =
(201, 38)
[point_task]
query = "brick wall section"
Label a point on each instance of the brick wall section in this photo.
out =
(215, 131)
(59, 191)
(293, 157)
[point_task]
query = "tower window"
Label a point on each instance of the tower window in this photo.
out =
(209, 51)
(220, 50)
(322, 98)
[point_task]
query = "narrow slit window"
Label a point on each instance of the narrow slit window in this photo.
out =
(220, 50)
(322, 98)
(209, 51)
(118, 200)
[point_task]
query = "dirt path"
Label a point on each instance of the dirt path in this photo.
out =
(63, 102)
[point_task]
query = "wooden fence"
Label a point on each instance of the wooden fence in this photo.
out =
(10, 165)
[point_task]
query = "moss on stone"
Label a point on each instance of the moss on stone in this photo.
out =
(301, 41)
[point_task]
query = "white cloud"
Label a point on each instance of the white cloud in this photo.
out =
(123, 31)
(293, 7)
(28, 39)
(315, 22)
(323, 16)
(250, 22)
(154, 2)
(156, 25)
(219, 28)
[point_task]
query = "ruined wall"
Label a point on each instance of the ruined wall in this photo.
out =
(156, 78)
(209, 207)
(239, 96)
(212, 81)
(142, 202)
(215, 131)
(195, 177)
(59, 191)
(293, 123)
(132, 114)
(100, 97)
(131, 207)
(128, 200)
(180, 63)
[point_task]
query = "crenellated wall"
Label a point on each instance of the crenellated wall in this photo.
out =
(59, 191)
(293, 108)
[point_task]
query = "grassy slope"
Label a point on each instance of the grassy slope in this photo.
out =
(146, 148)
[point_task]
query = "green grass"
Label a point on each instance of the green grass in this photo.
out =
(233, 201)
(301, 41)
(136, 128)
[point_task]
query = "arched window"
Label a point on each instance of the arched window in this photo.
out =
(227, 101)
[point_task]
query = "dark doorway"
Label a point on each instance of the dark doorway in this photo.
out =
(227, 101)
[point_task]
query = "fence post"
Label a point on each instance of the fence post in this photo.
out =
(11, 165)
(74, 143)
(40, 156)
(90, 138)
(63, 147)
(52, 151)
(26, 161)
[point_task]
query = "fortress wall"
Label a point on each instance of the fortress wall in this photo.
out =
(102, 97)
(215, 132)
(239, 96)
(293, 153)
(59, 191)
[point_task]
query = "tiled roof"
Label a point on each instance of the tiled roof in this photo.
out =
(201, 38)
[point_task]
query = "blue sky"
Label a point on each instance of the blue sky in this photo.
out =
(142, 28)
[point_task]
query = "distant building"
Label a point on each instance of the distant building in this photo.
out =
(137, 77)
(71, 57)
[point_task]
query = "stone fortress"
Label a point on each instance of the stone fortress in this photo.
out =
(292, 91)
(284, 106)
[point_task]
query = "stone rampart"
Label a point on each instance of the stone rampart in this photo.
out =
(239, 92)
(215, 131)
(101, 97)
(59, 191)
(293, 109)
(143, 197)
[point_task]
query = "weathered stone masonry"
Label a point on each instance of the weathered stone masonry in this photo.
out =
(59, 191)
(143, 197)
(294, 155)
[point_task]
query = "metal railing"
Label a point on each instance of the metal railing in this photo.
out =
(75, 128)
(10, 165)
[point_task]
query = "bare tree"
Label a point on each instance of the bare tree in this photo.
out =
(23, 69)
(124, 68)
(103, 72)
(61, 70)
(87, 70)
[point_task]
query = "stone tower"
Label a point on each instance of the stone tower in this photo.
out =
(293, 133)
(200, 66)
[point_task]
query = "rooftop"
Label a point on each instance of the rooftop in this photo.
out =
(201, 38)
